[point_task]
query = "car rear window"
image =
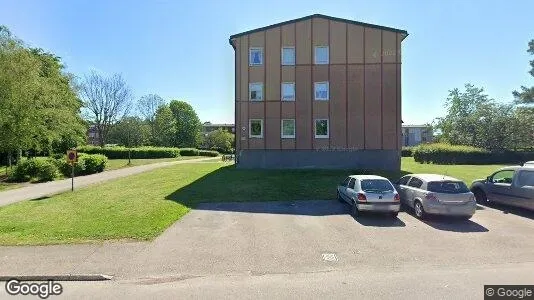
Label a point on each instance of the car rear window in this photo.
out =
(376, 185)
(447, 187)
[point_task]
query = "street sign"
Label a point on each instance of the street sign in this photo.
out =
(72, 156)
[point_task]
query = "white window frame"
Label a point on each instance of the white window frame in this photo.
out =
(250, 85)
(250, 135)
(282, 56)
(315, 84)
(250, 56)
(327, 61)
(282, 91)
(327, 129)
(284, 136)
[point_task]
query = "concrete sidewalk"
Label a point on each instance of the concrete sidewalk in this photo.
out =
(55, 187)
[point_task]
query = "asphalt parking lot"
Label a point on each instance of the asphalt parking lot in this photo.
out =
(313, 248)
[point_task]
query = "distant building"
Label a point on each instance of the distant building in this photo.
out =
(92, 135)
(413, 135)
(208, 127)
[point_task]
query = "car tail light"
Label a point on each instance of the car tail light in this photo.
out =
(396, 198)
(361, 197)
(431, 197)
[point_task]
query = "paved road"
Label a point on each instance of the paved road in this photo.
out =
(39, 190)
(304, 248)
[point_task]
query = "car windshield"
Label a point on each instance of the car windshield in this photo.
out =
(376, 185)
(447, 187)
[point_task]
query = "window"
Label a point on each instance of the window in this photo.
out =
(504, 176)
(255, 56)
(376, 185)
(415, 182)
(321, 55)
(256, 128)
(321, 128)
(345, 183)
(447, 187)
(351, 183)
(288, 128)
(255, 91)
(288, 56)
(288, 91)
(404, 180)
(321, 90)
(526, 178)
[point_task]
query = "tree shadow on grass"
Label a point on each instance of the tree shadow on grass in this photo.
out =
(297, 192)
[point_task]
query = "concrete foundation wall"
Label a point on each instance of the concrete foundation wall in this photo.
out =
(323, 159)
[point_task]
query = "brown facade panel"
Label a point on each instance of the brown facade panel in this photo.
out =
(338, 42)
(288, 109)
(399, 49)
(256, 74)
(256, 110)
(256, 143)
(320, 32)
(355, 107)
(373, 121)
(321, 144)
(373, 45)
(241, 123)
(355, 44)
(288, 35)
(257, 39)
(237, 81)
(389, 47)
(320, 73)
(244, 68)
(303, 107)
(320, 109)
(399, 107)
(303, 42)
(338, 107)
(272, 63)
(288, 74)
(288, 144)
(389, 106)
(272, 125)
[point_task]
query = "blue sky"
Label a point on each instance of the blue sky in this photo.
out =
(179, 49)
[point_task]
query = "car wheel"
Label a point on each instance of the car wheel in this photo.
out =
(480, 197)
(419, 210)
(394, 214)
(354, 210)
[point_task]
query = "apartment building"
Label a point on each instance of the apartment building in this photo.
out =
(413, 135)
(318, 92)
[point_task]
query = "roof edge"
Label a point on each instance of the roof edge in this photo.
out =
(318, 16)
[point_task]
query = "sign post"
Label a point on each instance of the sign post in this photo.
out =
(72, 158)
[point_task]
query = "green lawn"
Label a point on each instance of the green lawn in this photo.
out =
(142, 206)
(114, 164)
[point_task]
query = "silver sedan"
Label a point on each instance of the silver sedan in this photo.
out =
(369, 193)
(436, 194)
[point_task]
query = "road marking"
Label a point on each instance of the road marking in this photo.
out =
(329, 257)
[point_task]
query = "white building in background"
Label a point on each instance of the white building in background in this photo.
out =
(413, 135)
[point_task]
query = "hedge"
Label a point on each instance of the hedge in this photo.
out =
(407, 151)
(136, 153)
(87, 164)
(455, 154)
(36, 169)
(208, 153)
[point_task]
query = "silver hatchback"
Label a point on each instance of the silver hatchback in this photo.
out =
(369, 193)
(436, 194)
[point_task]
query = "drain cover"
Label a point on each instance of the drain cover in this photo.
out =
(329, 257)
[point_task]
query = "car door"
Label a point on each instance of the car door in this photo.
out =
(351, 193)
(402, 186)
(342, 188)
(412, 190)
(523, 189)
(499, 187)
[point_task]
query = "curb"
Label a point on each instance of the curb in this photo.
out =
(68, 277)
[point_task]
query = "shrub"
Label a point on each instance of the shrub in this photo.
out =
(136, 153)
(37, 169)
(87, 164)
(208, 153)
(455, 154)
(407, 151)
(189, 152)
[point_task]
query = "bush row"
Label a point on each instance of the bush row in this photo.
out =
(455, 154)
(407, 151)
(145, 152)
(47, 169)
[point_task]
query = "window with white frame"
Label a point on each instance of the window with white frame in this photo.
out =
(255, 56)
(288, 56)
(256, 128)
(288, 91)
(321, 128)
(321, 55)
(288, 128)
(255, 91)
(321, 90)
